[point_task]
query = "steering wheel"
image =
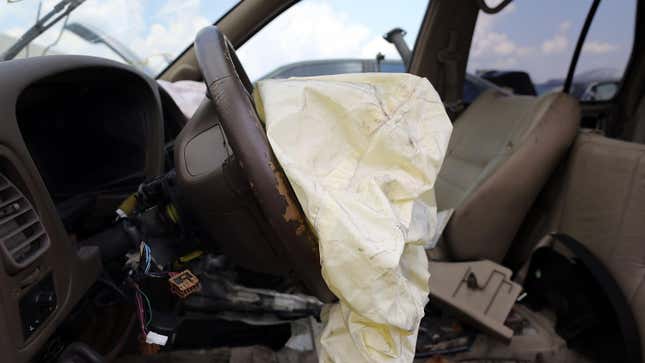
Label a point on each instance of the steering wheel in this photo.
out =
(229, 92)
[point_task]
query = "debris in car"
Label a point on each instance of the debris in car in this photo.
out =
(441, 333)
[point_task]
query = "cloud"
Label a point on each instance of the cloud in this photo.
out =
(172, 33)
(313, 29)
(153, 38)
(308, 31)
(14, 32)
(119, 18)
(493, 47)
(507, 62)
(594, 47)
(559, 42)
(164, 35)
(172, 7)
(490, 45)
(380, 45)
(111, 16)
(11, 11)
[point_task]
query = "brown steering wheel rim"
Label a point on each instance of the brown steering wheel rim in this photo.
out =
(229, 89)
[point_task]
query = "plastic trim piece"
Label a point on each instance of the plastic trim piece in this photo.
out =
(480, 292)
(20, 228)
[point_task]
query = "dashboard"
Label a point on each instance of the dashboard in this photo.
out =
(74, 132)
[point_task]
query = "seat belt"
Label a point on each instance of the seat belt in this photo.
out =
(603, 279)
(449, 58)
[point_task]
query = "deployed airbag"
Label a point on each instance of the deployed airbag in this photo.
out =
(362, 153)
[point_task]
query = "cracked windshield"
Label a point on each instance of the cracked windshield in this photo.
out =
(148, 34)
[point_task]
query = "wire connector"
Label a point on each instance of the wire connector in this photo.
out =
(183, 283)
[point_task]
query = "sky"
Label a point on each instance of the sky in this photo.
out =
(153, 29)
(530, 35)
(539, 37)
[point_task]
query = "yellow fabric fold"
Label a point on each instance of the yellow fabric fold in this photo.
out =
(360, 150)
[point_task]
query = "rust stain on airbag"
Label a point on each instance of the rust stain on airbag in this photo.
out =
(291, 212)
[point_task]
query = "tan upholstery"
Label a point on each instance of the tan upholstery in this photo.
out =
(600, 200)
(502, 151)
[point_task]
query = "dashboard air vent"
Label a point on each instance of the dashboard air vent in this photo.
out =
(22, 236)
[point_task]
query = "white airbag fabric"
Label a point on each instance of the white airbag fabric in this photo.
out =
(362, 153)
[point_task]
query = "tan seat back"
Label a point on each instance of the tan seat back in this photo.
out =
(502, 151)
(599, 199)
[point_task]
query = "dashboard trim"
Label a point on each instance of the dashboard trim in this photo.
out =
(73, 269)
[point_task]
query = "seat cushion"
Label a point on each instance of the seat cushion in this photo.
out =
(502, 151)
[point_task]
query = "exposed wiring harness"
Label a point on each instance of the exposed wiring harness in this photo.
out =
(141, 264)
(146, 254)
(146, 262)
(144, 312)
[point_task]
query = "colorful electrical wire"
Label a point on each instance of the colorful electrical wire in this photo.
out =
(137, 298)
(142, 311)
(149, 306)
(147, 257)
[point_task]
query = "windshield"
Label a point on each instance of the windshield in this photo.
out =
(148, 34)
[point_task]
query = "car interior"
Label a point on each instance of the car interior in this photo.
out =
(116, 209)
